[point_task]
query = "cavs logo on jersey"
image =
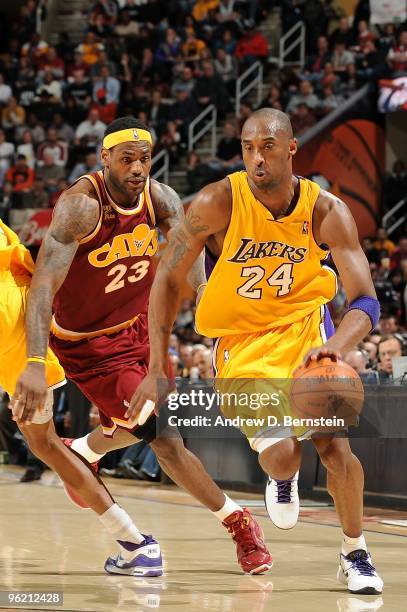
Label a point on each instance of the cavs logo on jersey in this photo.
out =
(143, 240)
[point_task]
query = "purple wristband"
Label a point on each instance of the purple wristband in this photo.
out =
(369, 305)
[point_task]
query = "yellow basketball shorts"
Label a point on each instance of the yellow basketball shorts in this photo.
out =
(13, 355)
(253, 374)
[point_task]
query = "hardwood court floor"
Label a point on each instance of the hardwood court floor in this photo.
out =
(48, 544)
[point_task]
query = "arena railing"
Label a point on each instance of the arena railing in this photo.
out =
(286, 47)
(163, 170)
(195, 134)
(256, 81)
(388, 216)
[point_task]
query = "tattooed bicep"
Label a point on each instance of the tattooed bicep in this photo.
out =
(75, 216)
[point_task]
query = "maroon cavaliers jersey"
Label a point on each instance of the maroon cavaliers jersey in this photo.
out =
(110, 278)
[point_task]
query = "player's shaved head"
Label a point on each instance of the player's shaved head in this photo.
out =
(269, 120)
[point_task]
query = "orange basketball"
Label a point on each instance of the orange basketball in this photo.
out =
(328, 389)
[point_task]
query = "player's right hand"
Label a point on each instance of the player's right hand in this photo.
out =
(30, 394)
(153, 388)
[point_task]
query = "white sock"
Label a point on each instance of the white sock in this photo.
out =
(351, 544)
(119, 524)
(227, 509)
(81, 446)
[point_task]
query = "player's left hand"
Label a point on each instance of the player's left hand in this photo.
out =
(147, 391)
(318, 353)
(30, 394)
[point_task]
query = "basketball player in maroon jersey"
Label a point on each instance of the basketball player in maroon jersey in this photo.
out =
(94, 272)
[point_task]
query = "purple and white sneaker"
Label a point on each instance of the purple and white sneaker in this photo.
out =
(282, 501)
(147, 560)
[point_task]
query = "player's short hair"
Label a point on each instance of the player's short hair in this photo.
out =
(273, 115)
(125, 123)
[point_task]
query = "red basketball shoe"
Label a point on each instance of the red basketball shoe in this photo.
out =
(252, 553)
(72, 496)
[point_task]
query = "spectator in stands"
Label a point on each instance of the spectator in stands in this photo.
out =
(109, 84)
(64, 131)
(399, 254)
(383, 244)
(210, 89)
(90, 49)
(6, 155)
(159, 112)
(5, 91)
(80, 90)
(389, 346)
(317, 61)
(90, 165)
(229, 152)
(26, 148)
(35, 50)
(89, 133)
(302, 119)
(252, 46)
(35, 128)
(51, 87)
(60, 187)
(204, 365)
(273, 99)
(170, 140)
(126, 26)
(184, 81)
(198, 173)
(201, 8)
(388, 324)
(50, 172)
(183, 111)
(55, 147)
(96, 69)
(371, 252)
(341, 58)
(169, 50)
(350, 81)
(226, 13)
(245, 111)
(368, 61)
(226, 67)
(6, 200)
(397, 56)
(38, 196)
(52, 63)
(343, 34)
(330, 101)
(305, 96)
(364, 34)
(192, 48)
(78, 65)
(358, 360)
(21, 176)
(371, 349)
(13, 114)
(186, 357)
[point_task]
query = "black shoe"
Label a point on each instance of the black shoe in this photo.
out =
(141, 475)
(31, 474)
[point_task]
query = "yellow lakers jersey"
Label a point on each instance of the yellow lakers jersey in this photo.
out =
(269, 272)
(15, 259)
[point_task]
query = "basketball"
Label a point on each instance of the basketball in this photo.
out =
(326, 388)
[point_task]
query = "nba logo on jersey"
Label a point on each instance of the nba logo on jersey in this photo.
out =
(226, 355)
(135, 135)
(305, 227)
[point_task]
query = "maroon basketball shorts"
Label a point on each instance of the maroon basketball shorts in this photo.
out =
(108, 370)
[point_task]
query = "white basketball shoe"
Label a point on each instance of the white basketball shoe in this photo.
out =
(282, 501)
(357, 572)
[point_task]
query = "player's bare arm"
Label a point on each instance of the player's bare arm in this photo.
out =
(207, 216)
(76, 215)
(170, 213)
(335, 226)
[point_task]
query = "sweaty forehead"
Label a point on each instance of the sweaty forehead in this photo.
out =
(263, 128)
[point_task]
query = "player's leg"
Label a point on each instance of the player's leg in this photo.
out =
(139, 554)
(345, 481)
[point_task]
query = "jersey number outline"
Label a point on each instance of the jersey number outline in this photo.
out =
(281, 277)
(118, 282)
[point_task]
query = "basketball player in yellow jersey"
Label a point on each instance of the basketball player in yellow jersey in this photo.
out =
(16, 267)
(267, 232)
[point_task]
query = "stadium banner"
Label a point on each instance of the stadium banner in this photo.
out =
(31, 224)
(388, 11)
(348, 160)
(392, 95)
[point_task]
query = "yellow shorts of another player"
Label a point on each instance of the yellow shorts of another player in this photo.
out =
(253, 374)
(13, 354)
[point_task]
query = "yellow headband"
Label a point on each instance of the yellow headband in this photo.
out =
(130, 135)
